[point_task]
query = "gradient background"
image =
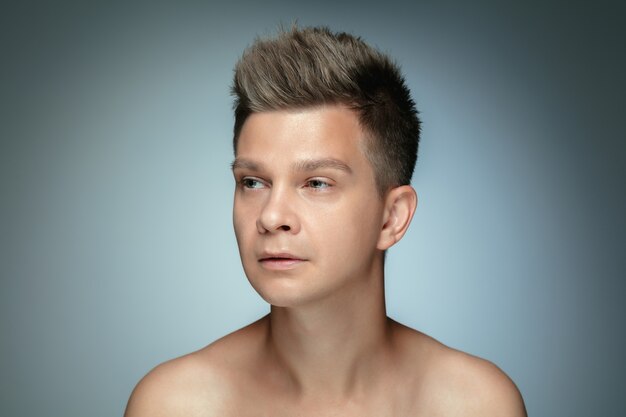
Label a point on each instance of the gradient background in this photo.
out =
(117, 250)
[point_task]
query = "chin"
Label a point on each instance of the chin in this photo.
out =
(283, 292)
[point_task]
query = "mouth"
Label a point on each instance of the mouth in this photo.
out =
(280, 261)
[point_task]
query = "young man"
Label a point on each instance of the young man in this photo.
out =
(326, 138)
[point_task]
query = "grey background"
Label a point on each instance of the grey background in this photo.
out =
(117, 250)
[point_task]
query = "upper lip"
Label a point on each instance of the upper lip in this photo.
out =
(278, 255)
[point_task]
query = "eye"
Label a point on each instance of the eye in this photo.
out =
(317, 184)
(251, 183)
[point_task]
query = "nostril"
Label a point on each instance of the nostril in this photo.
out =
(285, 228)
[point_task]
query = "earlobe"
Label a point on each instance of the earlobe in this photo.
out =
(400, 204)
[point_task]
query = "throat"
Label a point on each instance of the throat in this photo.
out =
(327, 353)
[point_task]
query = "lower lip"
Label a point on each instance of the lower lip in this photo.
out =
(281, 264)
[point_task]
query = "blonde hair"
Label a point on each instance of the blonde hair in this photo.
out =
(313, 66)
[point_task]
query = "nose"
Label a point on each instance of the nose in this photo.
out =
(278, 214)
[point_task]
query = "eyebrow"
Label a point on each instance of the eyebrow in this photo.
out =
(313, 164)
(304, 165)
(240, 163)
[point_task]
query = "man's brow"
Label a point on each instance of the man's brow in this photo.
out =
(244, 164)
(313, 164)
(305, 165)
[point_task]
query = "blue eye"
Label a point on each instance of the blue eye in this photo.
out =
(251, 183)
(318, 184)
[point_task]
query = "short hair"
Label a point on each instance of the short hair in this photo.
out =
(304, 67)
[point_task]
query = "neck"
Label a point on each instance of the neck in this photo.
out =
(336, 347)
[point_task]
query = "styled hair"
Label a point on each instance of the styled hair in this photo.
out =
(304, 67)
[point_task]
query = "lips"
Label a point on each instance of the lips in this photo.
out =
(280, 261)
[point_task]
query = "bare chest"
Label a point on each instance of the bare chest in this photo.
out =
(388, 404)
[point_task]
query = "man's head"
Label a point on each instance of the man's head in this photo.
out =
(314, 66)
(324, 128)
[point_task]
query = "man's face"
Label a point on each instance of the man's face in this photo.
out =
(307, 213)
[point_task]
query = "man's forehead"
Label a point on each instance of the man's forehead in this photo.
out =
(322, 137)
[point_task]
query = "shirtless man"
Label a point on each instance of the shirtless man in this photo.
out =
(325, 139)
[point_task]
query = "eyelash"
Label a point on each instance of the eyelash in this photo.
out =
(246, 183)
(324, 184)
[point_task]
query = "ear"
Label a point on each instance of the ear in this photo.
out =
(400, 204)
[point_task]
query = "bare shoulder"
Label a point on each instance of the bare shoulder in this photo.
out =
(178, 387)
(479, 387)
(200, 384)
(458, 384)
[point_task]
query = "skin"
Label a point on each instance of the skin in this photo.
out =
(311, 229)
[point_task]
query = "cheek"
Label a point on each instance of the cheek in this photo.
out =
(243, 223)
(349, 228)
(237, 222)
